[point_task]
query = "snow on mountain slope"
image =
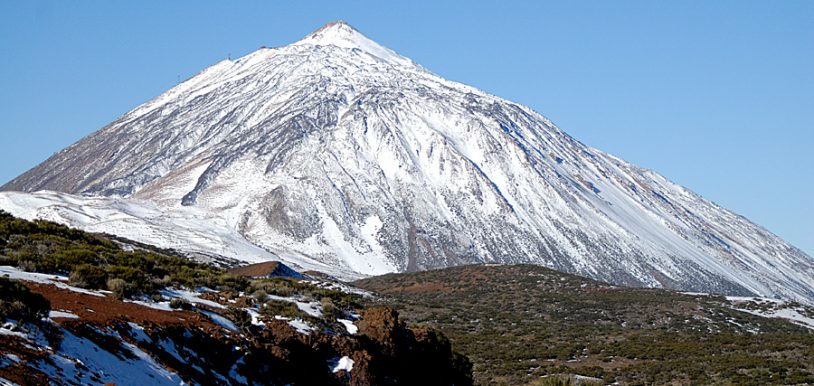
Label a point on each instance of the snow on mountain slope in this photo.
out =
(198, 233)
(339, 149)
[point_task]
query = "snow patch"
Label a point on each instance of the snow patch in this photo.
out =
(192, 297)
(298, 324)
(55, 280)
(311, 308)
(344, 363)
(62, 314)
(773, 308)
(81, 359)
(220, 320)
(349, 326)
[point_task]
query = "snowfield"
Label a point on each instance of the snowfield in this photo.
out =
(191, 231)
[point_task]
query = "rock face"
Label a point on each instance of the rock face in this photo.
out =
(190, 352)
(338, 149)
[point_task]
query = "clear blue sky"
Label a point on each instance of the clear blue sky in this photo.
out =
(716, 95)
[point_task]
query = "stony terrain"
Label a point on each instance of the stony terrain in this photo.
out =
(68, 316)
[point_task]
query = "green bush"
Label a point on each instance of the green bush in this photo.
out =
(278, 286)
(273, 308)
(88, 276)
(92, 260)
(119, 287)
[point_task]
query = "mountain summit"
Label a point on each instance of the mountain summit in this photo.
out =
(341, 34)
(338, 151)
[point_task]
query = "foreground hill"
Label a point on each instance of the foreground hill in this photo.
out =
(517, 323)
(335, 151)
(80, 309)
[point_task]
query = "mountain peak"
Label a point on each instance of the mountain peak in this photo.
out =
(335, 28)
(337, 33)
(343, 35)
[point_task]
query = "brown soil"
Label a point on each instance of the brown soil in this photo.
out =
(103, 309)
(256, 270)
(385, 352)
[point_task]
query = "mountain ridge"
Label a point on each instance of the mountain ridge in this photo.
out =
(334, 149)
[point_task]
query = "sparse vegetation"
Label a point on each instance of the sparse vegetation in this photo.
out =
(384, 350)
(518, 323)
(285, 309)
(96, 262)
(284, 286)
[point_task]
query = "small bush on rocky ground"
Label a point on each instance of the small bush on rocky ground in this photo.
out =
(180, 304)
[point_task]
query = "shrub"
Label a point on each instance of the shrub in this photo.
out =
(240, 317)
(281, 308)
(182, 304)
(27, 265)
(19, 303)
(329, 310)
(119, 287)
(134, 277)
(88, 276)
(259, 295)
(277, 286)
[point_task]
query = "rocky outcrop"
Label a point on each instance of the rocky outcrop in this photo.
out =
(385, 352)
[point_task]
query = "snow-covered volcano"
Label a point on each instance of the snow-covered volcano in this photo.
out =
(337, 149)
